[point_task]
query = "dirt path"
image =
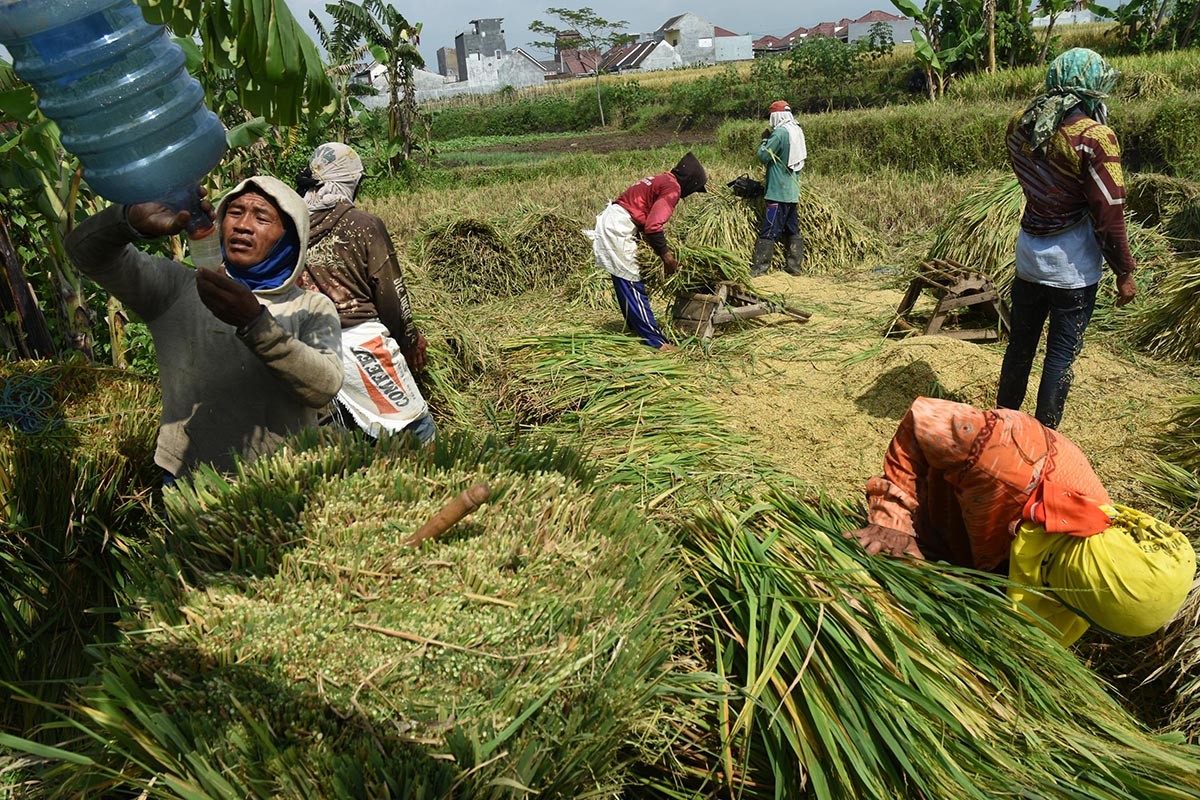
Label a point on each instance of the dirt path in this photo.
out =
(608, 142)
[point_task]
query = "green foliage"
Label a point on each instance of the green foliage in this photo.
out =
(279, 74)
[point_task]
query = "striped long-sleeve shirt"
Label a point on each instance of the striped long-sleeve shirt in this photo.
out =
(1078, 174)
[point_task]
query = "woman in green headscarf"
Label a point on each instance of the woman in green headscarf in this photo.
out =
(1068, 162)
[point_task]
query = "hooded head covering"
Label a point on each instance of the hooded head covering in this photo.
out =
(691, 176)
(332, 176)
(1077, 77)
(781, 116)
(1130, 579)
(277, 272)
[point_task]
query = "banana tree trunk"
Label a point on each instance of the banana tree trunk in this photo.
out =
(117, 320)
(32, 339)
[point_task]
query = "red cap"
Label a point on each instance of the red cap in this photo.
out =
(779, 105)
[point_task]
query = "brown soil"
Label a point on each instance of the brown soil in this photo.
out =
(608, 142)
(823, 399)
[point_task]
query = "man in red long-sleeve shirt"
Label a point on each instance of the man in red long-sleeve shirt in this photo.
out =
(643, 208)
(1068, 163)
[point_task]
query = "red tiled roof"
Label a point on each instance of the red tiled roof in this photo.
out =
(627, 56)
(768, 42)
(879, 16)
(796, 34)
(578, 62)
(719, 31)
(824, 29)
(844, 21)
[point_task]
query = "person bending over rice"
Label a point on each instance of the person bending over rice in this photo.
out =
(643, 208)
(998, 491)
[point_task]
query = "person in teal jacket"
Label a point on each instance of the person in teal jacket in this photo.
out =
(784, 152)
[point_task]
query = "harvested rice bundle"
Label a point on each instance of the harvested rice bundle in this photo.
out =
(474, 261)
(834, 240)
(550, 245)
(1180, 444)
(1167, 322)
(1147, 86)
(1173, 204)
(867, 677)
(359, 666)
(639, 413)
(981, 234)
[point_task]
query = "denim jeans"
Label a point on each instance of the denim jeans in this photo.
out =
(1069, 311)
(780, 220)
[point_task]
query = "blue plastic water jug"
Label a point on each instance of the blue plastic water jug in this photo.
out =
(122, 98)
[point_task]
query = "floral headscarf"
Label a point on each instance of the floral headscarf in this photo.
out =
(1078, 76)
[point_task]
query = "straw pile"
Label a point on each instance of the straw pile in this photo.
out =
(860, 677)
(636, 411)
(834, 240)
(523, 649)
(472, 259)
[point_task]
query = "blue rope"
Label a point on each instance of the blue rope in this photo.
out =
(27, 405)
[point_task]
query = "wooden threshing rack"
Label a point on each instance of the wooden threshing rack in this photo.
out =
(957, 288)
(698, 313)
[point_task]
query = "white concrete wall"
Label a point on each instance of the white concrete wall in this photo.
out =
(1069, 18)
(734, 48)
(901, 31)
(696, 41)
(662, 57)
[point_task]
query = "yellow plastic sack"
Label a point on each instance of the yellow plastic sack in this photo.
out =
(1129, 580)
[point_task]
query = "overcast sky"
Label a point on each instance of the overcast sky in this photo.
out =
(446, 19)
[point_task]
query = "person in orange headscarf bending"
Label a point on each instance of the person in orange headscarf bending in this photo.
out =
(1000, 492)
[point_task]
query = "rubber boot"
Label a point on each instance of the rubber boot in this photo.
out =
(794, 250)
(760, 264)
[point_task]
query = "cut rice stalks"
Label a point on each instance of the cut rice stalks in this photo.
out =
(835, 242)
(868, 677)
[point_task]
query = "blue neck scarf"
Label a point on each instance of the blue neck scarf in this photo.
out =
(274, 270)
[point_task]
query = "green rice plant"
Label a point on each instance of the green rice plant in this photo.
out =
(76, 469)
(1180, 442)
(867, 677)
(521, 653)
(473, 260)
(835, 241)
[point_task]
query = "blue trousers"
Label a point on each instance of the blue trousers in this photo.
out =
(635, 307)
(1069, 311)
(780, 219)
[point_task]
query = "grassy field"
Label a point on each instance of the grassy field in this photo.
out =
(655, 602)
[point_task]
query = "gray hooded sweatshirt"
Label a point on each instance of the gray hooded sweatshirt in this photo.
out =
(225, 392)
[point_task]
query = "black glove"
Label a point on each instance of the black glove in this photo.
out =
(767, 134)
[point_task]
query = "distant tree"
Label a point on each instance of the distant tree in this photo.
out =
(586, 31)
(1051, 9)
(392, 41)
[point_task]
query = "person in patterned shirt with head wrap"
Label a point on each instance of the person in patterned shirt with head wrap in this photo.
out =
(1068, 163)
(351, 261)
